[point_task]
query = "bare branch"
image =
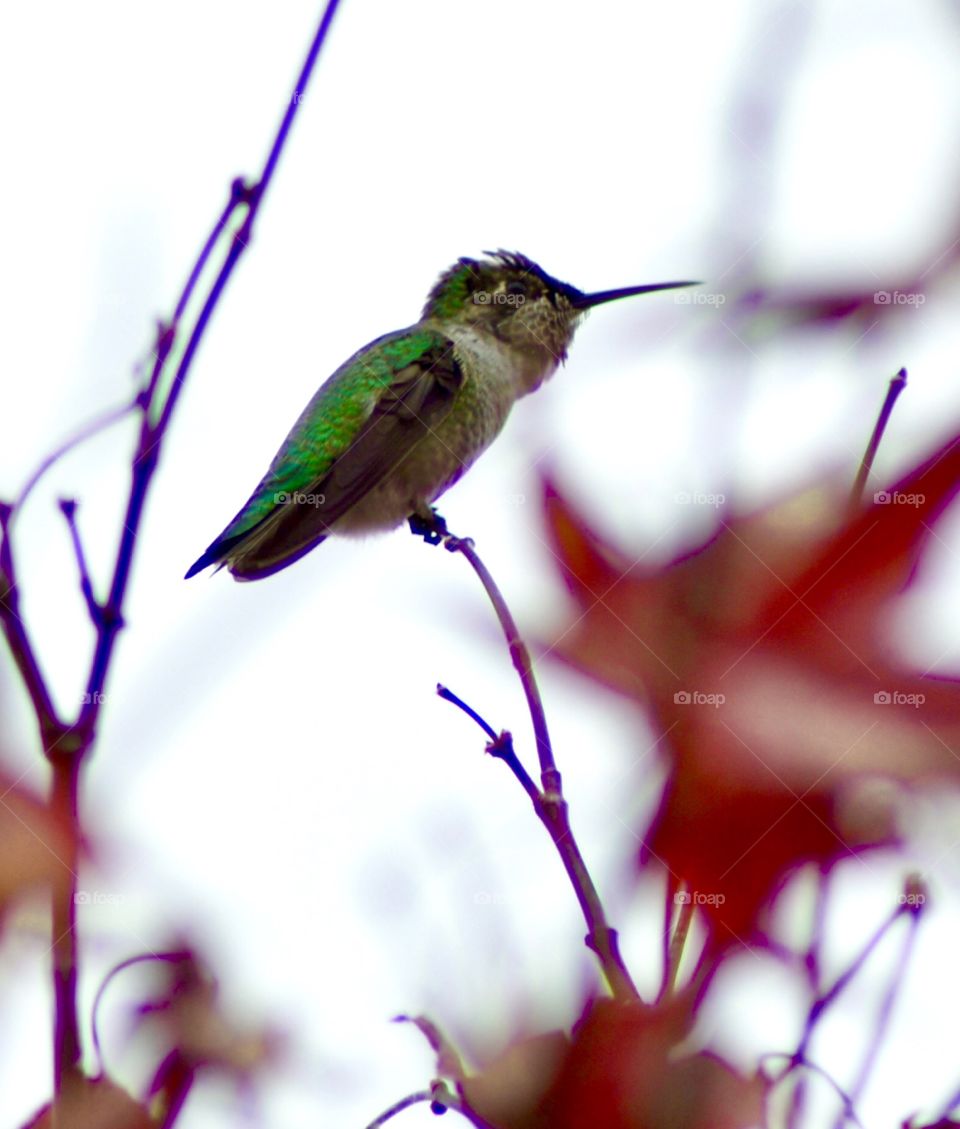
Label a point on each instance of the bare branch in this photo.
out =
(549, 804)
(897, 385)
(68, 507)
(66, 746)
(18, 639)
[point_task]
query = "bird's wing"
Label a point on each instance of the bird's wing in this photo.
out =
(358, 426)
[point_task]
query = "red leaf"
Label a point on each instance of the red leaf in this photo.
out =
(621, 1070)
(763, 662)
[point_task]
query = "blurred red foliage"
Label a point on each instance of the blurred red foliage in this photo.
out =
(763, 662)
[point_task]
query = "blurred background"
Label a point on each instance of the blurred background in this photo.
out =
(276, 779)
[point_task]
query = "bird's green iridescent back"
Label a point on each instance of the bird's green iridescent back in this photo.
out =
(329, 423)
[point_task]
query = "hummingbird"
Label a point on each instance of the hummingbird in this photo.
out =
(402, 420)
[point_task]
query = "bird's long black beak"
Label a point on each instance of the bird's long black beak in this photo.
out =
(585, 301)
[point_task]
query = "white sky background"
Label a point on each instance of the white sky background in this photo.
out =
(276, 779)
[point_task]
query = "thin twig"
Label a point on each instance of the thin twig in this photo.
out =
(849, 1112)
(243, 237)
(442, 1098)
(500, 744)
(449, 696)
(670, 890)
(68, 507)
(88, 431)
(151, 436)
(449, 1066)
(811, 965)
(521, 661)
(825, 999)
(399, 1107)
(175, 956)
(21, 647)
(914, 912)
(239, 194)
(549, 804)
(897, 385)
(678, 940)
(449, 1063)
(812, 957)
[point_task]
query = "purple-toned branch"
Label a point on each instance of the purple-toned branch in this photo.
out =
(68, 507)
(151, 436)
(100, 423)
(825, 998)
(897, 385)
(399, 1107)
(66, 744)
(913, 907)
(521, 661)
(549, 804)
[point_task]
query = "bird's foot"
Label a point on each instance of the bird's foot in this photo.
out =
(430, 526)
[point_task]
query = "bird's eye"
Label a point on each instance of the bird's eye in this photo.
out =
(516, 287)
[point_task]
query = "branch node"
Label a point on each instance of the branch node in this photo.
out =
(241, 192)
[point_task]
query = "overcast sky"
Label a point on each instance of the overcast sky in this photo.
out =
(276, 778)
